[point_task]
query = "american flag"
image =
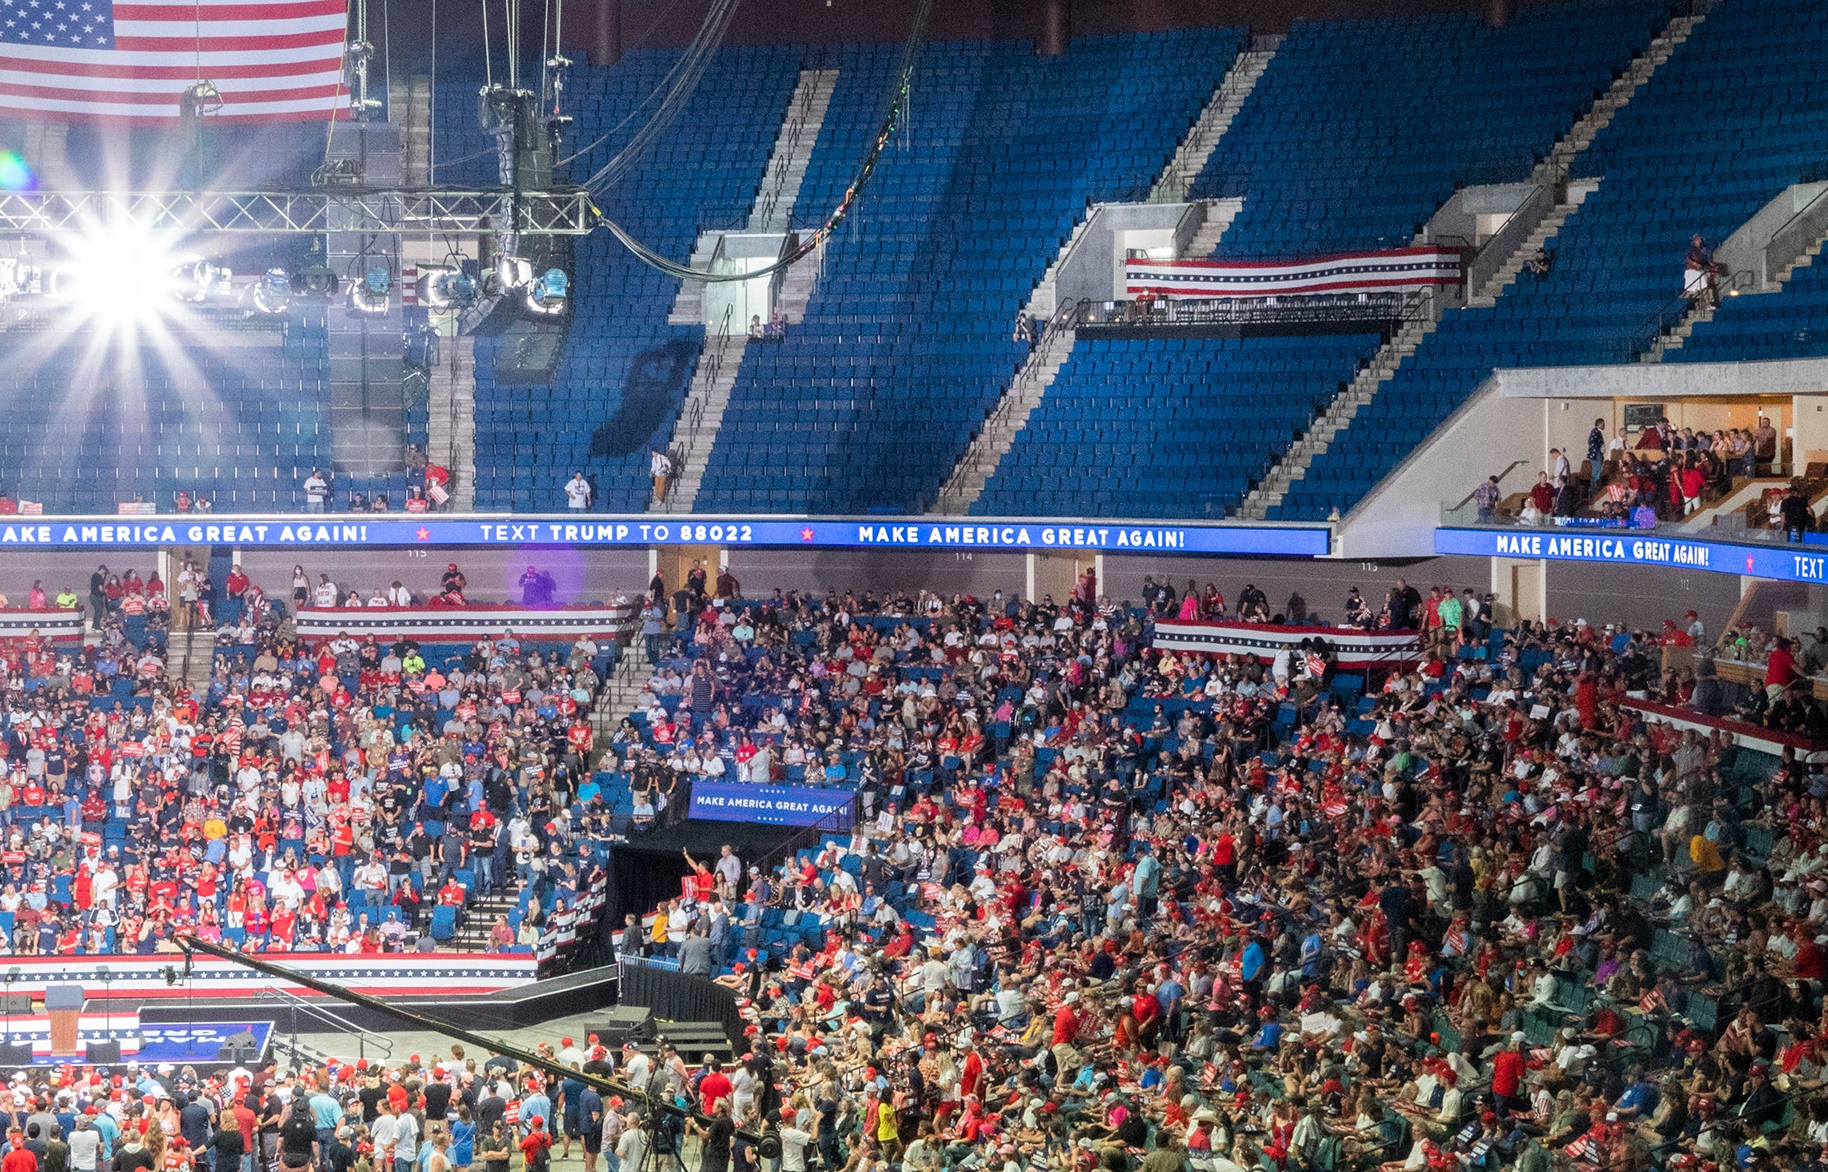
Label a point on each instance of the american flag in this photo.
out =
(272, 60)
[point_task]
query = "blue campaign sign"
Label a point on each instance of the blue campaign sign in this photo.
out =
(641, 531)
(776, 805)
(1628, 547)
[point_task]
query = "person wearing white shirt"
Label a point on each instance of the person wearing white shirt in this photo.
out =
(577, 493)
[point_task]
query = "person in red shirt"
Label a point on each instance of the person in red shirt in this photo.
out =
(714, 1087)
(1507, 1073)
(1780, 668)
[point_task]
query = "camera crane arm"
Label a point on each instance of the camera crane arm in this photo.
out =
(763, 1141)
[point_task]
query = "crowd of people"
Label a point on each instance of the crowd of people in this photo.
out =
(1667, 474)
(315, 796)
(1109, 905)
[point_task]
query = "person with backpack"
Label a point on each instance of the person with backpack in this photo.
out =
(536, 1146)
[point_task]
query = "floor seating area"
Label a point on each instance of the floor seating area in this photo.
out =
(1175, 428)
(1736, 115)
(907, 342)
(1361, 129)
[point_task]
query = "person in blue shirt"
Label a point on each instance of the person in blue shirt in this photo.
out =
(1313, 955)
(1252, 961)
(1147, 882)
(1269, 1034)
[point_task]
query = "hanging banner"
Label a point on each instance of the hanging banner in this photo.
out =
(446, 623)
(1356, 649)
(1393, 271)
(775, 805)
(446, 531)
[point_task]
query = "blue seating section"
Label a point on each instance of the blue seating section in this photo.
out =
(85, 427)
(1736, 115)
(906, 344)
(1792, 323)
(1174, 428)
(702, 173)
(1359, 130)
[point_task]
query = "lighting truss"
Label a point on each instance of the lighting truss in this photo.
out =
(546, 213)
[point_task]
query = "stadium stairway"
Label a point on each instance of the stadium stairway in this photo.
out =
(1552, 171)
(1031, 380)
(701, 415)
(191, 656)
(1219, 213)
(793, 151)
(451, 418)
(627, 680)
(1190, 158)
(998, 434)
(479, 917)
(1677, 337)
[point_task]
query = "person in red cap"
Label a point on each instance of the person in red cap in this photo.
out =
(535, 1146)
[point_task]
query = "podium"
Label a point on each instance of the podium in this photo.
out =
(64, 1005)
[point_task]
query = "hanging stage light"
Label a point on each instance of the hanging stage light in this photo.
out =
(548, 295)
(17, 276)
(193, 278)
(273, 292)
(442, 288)
(512, 272)
(370, 294)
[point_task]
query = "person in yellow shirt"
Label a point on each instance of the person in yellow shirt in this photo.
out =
(656, 933)
(1706, 857)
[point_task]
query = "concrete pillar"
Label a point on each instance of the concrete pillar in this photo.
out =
(1808, 430)
(606, 44)
(1498, 13)
(1520, 591)
(1056, 28)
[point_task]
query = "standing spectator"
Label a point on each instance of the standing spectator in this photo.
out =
(1764, 444)
(1798, 517)
(317, 492)
(577, 492)
(1596, 449)
(652, 616)
(660, 468)
(1542, 494)
(1486, 498)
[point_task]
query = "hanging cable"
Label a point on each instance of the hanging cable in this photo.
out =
(488, 52)
(687, 73)
(891, 124)
(431, 105)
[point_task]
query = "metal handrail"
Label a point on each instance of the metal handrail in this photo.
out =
(1511, 467)
(1407, 307)
(1799, 233)
(335, 1021)
(789, 140)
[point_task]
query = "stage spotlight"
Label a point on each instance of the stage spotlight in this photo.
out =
(17, 276)
(120, 274)
(194, 278)
(273, 292)
(547, 296)
(370, 294)
(446, 289)
(512, 272)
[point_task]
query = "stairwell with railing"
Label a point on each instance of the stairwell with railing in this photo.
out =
(451, 417)
(701, 415)
(1552, 175)
(1191, 156)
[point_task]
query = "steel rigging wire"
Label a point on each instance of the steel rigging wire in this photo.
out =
(891, 124)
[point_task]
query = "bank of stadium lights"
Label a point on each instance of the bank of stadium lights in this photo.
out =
(120, 275)
(272, 293)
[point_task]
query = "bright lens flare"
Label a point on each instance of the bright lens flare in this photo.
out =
(15, 175)
(118, 276)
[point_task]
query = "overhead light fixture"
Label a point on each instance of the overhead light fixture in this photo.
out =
(549, 294)
(513, 272)
(442, 288)
(194, 278)
(370, 294)
(272, 293)
(17, 276)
